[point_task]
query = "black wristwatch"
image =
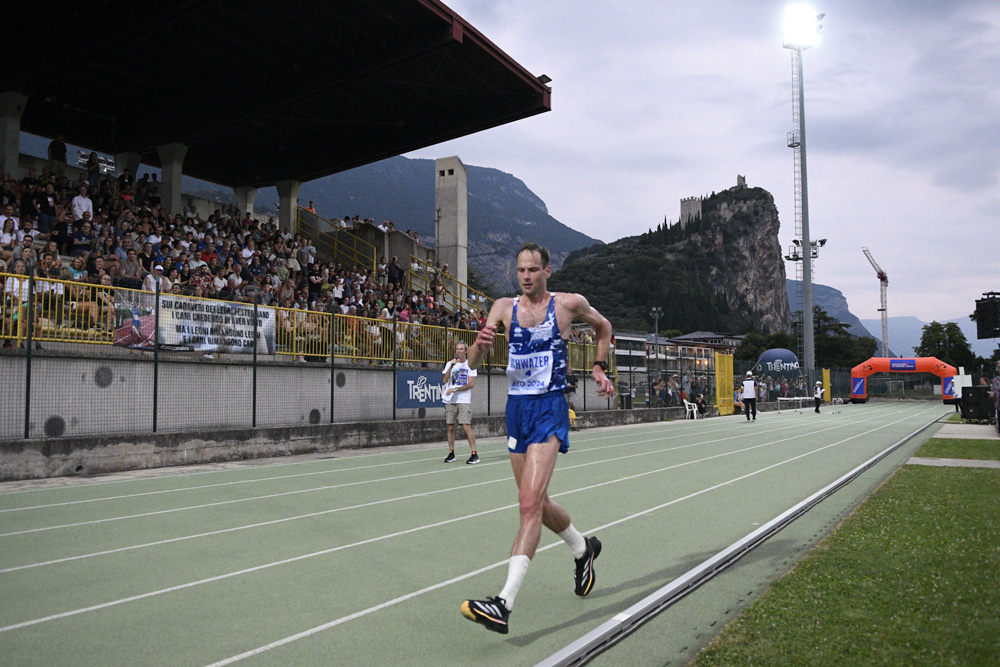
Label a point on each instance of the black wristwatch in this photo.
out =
(603, 365)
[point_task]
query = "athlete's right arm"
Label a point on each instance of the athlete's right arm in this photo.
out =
(499, 314)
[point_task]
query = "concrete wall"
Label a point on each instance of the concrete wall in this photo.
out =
(91, 415)
(75, 395)
(90, 455)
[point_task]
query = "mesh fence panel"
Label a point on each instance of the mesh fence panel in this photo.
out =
(84, 360)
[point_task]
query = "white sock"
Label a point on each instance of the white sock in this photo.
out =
(574, 539)
(515, 576)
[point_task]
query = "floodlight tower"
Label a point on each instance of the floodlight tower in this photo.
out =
(883, 279)
(802, 26)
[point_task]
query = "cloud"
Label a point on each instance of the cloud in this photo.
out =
(654, 101)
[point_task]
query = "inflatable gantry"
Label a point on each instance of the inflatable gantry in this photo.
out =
(860, 373)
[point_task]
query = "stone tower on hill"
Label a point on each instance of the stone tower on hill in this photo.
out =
(721, 270)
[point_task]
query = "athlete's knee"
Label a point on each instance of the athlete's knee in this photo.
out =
(531, 506)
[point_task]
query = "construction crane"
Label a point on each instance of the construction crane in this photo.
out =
(884, 283)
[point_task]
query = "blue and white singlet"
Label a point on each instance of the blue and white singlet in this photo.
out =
(537, 356)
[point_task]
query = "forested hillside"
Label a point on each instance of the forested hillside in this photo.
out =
(723, 271)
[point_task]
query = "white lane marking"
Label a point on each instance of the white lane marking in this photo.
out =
(265, 566)
(398, 477)
(389, 603)
(237, 482)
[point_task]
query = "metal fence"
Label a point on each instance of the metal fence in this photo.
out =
(94, 359)
(340, 245)
(655, 388)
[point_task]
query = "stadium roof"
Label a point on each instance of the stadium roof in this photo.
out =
(263, 92)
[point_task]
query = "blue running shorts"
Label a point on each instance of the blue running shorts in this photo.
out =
(533, 418)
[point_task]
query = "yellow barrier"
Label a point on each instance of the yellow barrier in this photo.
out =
(457, 295)
(346, 247)
(724, 383)
(66, 311)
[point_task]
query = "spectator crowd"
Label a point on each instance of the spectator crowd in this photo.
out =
(113, 231)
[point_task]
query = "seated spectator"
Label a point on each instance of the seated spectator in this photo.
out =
(83, 239)
(49, 296)
(202, 278)
(147, 258)
(395, 274)
(45, 207)
(78, 270)
(27, 229)
(109, 259)
(16, 301)
(172, 279)
(130, 271)
(8, 240)
(82, 204)
(154, 278)
(9, 214)
(219, 283)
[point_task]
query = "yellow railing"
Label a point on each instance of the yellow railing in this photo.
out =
(307, 333)
(457, 295)
(724, 383)
(338, 244)
(66, 311)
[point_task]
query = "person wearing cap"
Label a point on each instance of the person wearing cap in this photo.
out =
(818, 394)
(152, 278)
(750, 396)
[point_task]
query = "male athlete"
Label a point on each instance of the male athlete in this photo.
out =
(538, 419)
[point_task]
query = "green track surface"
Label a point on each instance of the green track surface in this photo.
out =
(364, 558)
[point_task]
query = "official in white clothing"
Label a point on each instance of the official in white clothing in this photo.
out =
(457, 397)
(750, 396)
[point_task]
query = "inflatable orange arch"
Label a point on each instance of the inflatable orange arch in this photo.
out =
(860, 373)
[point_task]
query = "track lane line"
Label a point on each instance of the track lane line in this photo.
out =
(246, 481)
(396, 478)
(389, 603)
(294, 559)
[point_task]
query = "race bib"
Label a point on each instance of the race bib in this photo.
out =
(529, 373)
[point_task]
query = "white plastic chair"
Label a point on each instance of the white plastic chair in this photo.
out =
(692, 410)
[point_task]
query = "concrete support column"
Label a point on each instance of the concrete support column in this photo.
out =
(451, 227)
(11, 107)
(132, 161)
(171, 166)
(245, 196)
(288, 204)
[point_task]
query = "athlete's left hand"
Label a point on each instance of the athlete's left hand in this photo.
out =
(604, 386)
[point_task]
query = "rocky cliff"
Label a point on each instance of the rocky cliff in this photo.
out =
(721, 271)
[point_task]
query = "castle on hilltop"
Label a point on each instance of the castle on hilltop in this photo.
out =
(691, 206)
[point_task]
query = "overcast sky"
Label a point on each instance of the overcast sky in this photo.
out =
(655, 100)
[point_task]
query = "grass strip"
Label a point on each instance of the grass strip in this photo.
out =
(912, 577)
(959, 448)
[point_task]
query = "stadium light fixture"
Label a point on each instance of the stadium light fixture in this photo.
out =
(802, 26)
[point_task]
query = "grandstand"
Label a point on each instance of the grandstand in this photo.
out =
(132, 269)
